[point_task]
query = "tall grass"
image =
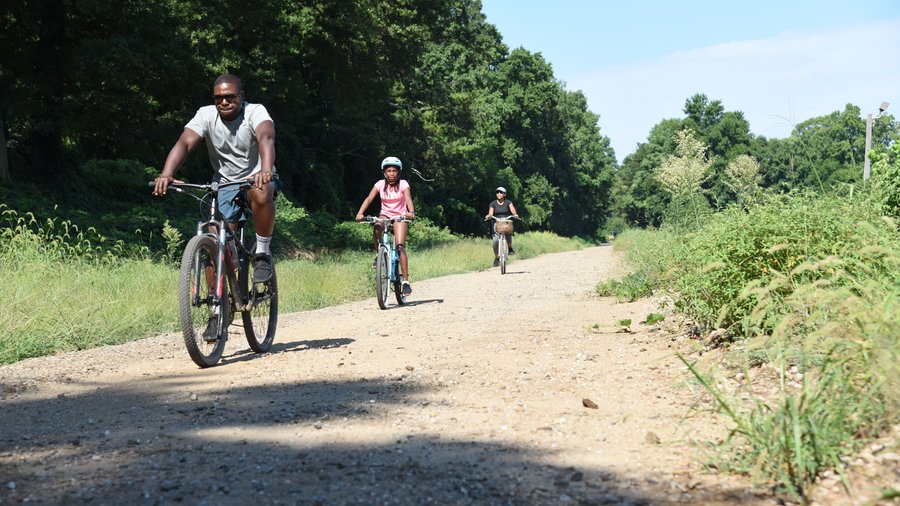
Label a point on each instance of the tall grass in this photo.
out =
(646, 265)
(810, 283)
(68, 289)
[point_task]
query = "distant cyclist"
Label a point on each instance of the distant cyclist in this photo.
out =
(501, 208)
(395, 201)
(240, 140)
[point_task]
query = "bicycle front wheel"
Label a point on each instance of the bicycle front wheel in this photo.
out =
(382, 277)
(262, 317)
(504, 253)
(204, 318)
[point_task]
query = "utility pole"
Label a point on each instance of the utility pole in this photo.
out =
(867, 165)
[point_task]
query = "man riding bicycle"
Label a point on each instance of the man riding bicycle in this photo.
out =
(501, 208)
(240, 139)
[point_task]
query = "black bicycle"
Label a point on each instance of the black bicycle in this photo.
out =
(206, 301)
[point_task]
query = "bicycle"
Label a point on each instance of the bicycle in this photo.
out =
(387, 261)
(206, 301)
(503, 226)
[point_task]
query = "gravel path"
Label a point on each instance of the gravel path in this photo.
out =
(448, 400)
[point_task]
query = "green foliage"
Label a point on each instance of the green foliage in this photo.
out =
(631, 287)
(811, 283)
(174, 242)
(654, 318)
(822, 153)
(684, 172)
(886, 180)
(774, 244)
(743, 178)
(647, 266)
(432, 83)
(424, 234)
(539, 199)
(804, 430)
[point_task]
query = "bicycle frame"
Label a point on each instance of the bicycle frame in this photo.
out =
(390, 242)
(227, 266)
(503, 245)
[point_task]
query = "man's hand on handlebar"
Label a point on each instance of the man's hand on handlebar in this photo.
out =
(262, 178)
(162, 184)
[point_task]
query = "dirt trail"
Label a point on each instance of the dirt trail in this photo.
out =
(449, 400)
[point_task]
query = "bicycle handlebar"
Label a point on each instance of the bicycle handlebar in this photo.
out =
(214, 186)
(503, 218)
(392, 219)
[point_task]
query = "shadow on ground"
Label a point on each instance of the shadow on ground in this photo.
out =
(157, 443)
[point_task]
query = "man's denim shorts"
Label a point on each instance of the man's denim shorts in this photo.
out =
(228, 202)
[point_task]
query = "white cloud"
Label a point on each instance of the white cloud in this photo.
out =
(776, 82)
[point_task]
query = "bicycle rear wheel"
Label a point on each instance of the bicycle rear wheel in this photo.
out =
(504, 253)
(382, 277)
(204, 318)
(262, 318)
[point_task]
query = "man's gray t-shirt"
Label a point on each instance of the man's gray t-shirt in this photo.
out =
(232, 145)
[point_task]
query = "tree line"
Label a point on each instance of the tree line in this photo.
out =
(347, 82)
(822, 153)
(351, 81)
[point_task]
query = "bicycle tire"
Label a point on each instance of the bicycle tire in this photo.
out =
(197, 265)
(262, 318)
(382, 277)
(504, 253)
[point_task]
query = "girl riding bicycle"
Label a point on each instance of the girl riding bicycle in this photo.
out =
(395, 201)
(501, 208)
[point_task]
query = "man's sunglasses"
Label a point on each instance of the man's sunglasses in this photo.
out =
(231, 97)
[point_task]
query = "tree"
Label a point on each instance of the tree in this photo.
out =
(638, 196)
(829, 149)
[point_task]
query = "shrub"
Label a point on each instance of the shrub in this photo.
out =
(886, 180)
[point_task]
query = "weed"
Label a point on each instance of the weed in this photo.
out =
(654, 318)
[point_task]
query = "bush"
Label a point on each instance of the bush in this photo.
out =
(886, 180)
(815, 280)
(423, 233)
(738, 250)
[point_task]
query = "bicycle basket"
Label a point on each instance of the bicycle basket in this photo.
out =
(503, 226)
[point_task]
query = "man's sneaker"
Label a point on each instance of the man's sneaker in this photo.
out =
(512, 252)
(496, 262)
(262, 268)
(212, 329)
(406, 290)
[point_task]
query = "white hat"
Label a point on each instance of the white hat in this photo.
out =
(501, 189)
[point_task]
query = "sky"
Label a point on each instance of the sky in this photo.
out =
(779, 62)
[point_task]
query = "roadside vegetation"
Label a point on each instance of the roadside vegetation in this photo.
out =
(805, 283)
(69, 289)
